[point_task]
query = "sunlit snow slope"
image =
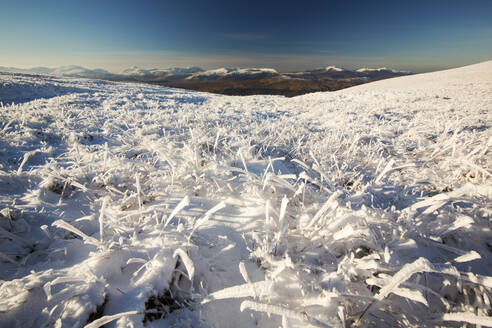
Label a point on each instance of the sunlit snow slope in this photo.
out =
(137, 205)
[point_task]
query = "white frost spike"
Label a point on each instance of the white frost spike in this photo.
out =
(268, 218)
(386, 169)
(47, 290)
(108, 318)
(419, 265)
(188, 263)
(467, 317)
(244, 162)
(261, 288)
(325, 208)
(64, 225)
(25, 159)
(346, 232)
(105, 155)
(387, 255)
(285, 323)
(78, 185)
(273, 309)
(207, 216)
(281, 218)
(182, 204)
(101, 219)
(136, 260)
(244, 272)
(216, 143)
(282, 265)
(139, 191)
(470, 256)
(463, 221)
(341, 314)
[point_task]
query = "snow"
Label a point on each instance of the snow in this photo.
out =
(134, 70)
(381, 69)
(81, 72)
(137, 205)
(140, 72)
(334, 68)
(231, 71)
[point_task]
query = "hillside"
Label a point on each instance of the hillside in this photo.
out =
(131, 204)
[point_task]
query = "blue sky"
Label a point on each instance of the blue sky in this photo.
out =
(287, 35)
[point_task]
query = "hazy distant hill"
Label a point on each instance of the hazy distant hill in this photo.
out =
(231, 80)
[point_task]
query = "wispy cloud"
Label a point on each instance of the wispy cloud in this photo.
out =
(244, 36)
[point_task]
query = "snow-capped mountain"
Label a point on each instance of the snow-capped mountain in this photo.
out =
(234, 73)
(380, 73)
(73, 71)
(333, 72)
(135, 71)
(334, 69)
(381, 69)
(197, 74)
(156, 73)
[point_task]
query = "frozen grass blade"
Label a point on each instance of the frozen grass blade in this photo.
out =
(283, 225)
(206, 217)
(188, 263)
(89, 240)
(470, 256)
(101, 220)
(256, 289)
(419, 265)
(139, 192)
(182, 204)
(385, 171)
(108, 318)
(244, 272)
(106, 151)
(26, 157)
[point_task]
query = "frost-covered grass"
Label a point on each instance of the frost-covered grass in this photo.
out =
(135, 205)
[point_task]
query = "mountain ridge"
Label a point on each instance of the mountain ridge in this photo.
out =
(230, 80)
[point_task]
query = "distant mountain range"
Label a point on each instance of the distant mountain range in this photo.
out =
(227, 80)
(198, 74)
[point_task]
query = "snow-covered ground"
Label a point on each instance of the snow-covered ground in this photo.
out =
(141, 205)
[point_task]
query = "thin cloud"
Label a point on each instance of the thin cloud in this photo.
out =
(244, 36)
